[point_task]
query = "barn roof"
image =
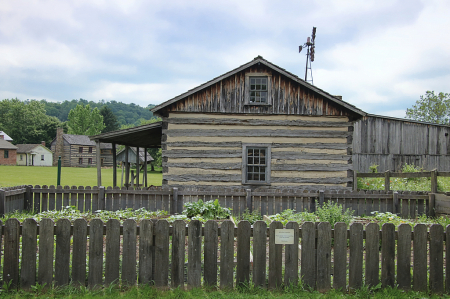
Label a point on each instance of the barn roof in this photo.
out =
(261, 60)
(6, 145)
(82, 140)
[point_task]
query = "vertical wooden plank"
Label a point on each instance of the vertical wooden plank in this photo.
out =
(44, 200)
(46, 243)
(95, 203)
(59, 195)
(447, 259)
(123, 199)
(112, 252)
(270, 204)
(194, 254)
(95, 278)
(436, 259)
(115, 198)
(80, 203)
(109, 199)
(308, 261)
(37, 200)
(11, 253)
(146, 251)
(73, 196)
(388, 255)
(62, 256)
(79, 252)
(178, 253)
(372, 254)
(235, 210)
(161, 253)
(405, 208)
(51, 198)
(291, 257)
(404, 257)
(88, 200)
(420, 258)
(243, 253)
(129, 252)
(138, 199)
(210, 253)
(356, 256)
(259, 253)
(66, 196)
(29, 250)
(323, 257)
(226, 254)
(412, 208)
(275, 257)
(340, 256)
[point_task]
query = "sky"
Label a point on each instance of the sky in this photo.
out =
(380, 56)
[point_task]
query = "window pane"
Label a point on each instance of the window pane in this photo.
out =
(262, 177)
(250, 176)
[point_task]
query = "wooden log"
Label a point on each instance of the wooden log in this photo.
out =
(356, 256)
(95, 277)
(178, 253)
(308, 259)
(226, 254)
(112, 252)
(46, 243)
(11, 253)
(259, 253)
(372, 255)
(323, 257)
(194, 254)
(210, 253)
(62, 256)
(420, 258)
(243, 253)
(275, 257)
(436, 259)
(256, 122)
(340, 257)
(388, 255)
(79, 252)
(291, 257)
(161, 253)
(258, 133)
(29, 251)
(129, 252)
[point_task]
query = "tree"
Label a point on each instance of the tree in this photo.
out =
(431, 107)
(109, 119)
(84, 121)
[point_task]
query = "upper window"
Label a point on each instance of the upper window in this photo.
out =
(80, 149)
(90, 149)
(6, 154)
(257, 89)
(256, 164)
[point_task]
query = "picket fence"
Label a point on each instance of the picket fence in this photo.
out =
(268, 202)
(156, 253)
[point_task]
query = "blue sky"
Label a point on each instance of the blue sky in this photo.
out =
(379, 55)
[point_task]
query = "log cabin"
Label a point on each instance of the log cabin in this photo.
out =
(257, 126)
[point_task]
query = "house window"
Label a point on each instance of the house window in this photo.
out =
(42, 157)
(80, 160)
(21, 157)
(257, 89)
(6, 154)
(90, 150)
(256, 164)
(90, 161)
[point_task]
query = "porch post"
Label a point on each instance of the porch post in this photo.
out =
(145, 166)
(127, 167)
(114, 165)
(137, 166)
(99, 163)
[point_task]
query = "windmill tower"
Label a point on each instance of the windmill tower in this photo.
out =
(310, 45)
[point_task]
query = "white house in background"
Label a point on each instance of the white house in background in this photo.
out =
(5, 136)
(34, 155)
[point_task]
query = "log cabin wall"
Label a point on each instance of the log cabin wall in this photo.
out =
(392, 143)
(309, 137)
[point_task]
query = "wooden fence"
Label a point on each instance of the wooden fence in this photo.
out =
(154, 252)
(38, 199)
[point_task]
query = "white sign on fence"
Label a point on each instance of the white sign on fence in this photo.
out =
(284, 236)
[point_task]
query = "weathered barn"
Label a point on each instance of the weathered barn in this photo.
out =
(391, 143)
(258, 126)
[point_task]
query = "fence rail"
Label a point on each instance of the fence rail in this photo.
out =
(154, 252)
(39, 199)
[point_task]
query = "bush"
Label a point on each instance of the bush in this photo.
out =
(332, 213)
(206, 210)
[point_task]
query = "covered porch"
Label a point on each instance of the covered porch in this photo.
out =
(145, 136)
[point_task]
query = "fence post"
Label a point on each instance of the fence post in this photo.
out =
(174, 203)
(434, 181)
(249, 200)
(2, 202)
(101, 197)
(431, 198)
(321, 198)
(395, 208)
(355, 180)
(387, 180)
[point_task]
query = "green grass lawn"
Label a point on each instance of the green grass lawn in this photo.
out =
(71, 176)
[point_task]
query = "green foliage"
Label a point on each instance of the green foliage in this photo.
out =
(207, 210)
(290, 215)
(109, 119)
(84, 121)
(332, 213)
(431, 107)
(251, 217)
(373, 168)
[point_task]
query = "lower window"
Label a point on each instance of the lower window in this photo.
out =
(256, 164)
(80, 160)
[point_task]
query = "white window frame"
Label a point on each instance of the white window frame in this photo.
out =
(268, 149)
(42, 158)
(247, 89)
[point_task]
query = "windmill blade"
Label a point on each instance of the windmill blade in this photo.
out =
(313, 34)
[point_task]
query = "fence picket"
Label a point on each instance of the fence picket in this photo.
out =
(129, 252)
(112, 251)
(44, 198)
(447, 259)
(88, 200)
(194, 254)
(356, 256)
(95, 277)
(11, 252)
(62, 254)
(59, 196)
(161, 253)
(308, 260)
(340, 256)
(420, 258)
(323, 257)
(210, 253)
(79, 252)
(275, 257)
(404, 257)
(259, 253)
(178, 253)
(436, 259)
(291, 257)
(73, 196)
(66, 197)
(388, 255)
(46, 242)
(37, 200)
(243, 253)
(29, 250)
(372, 254)
(51, 198)
(226, 254)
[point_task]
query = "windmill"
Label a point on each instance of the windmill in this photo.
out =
(310, 45)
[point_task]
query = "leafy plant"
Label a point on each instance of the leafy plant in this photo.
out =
(333, 212)
(251, 217)
(207, 210)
